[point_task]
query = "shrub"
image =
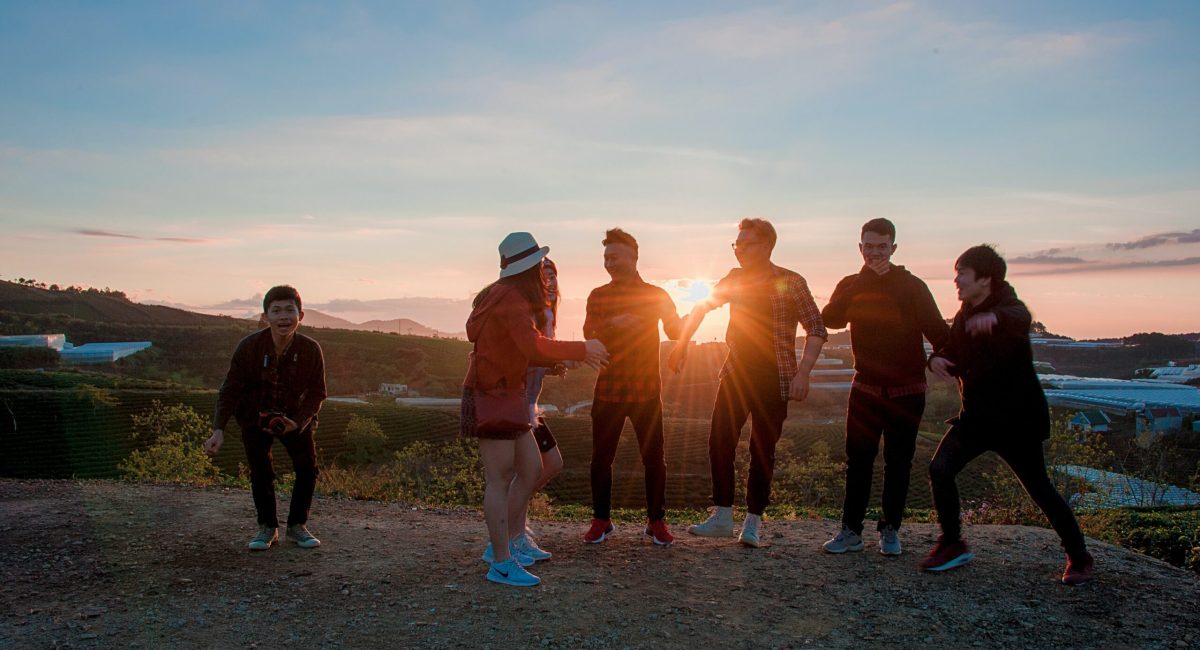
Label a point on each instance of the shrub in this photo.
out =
(1170, 534)
(445, 473)
(27, 358)
(175, 454)
(816, 480)
(365, 440)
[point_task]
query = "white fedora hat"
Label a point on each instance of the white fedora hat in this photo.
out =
(520, 252)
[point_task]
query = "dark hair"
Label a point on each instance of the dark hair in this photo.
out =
(549, 265)
(282, 292)
(762, 228)
(985, 262)
(531, 285)
(880, 226)
(618, 236)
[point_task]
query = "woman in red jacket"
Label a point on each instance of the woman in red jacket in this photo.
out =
(505, 326)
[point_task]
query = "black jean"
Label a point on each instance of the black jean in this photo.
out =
(1026, 459)
(302, 449)
(608, 419)
(870, 418)
(743, 394)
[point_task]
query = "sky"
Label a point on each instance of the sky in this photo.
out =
(373, 154)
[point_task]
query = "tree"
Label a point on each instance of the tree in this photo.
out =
(365, 440)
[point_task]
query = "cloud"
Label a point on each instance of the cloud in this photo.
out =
(1161, 239)
(90, 232)
(1046, 259)
(1102, 267)
(253, 302)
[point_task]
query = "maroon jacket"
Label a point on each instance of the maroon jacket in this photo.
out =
(507, 341)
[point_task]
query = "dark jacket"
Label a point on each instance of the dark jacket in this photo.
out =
(507, 341)
(258, 379)
(1001, 394)
(888, 314)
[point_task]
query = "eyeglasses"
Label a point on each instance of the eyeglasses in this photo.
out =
(746, 243)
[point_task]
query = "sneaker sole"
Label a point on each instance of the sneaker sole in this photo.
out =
(728, 533)
(501, 580)
(952, 564)
(750, 543)
(849, 549)
(657, 541)
(889, 553)
(603, 536)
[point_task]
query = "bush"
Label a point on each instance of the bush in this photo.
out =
(365, 440)
(446, 473)
(1170, 534)
(28, 358)
(816, 480)
(175, 455)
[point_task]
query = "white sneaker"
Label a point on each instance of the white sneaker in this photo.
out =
(512, 574)
(750, 531)
(524, 560)
(718, 524)
(846, 540)
(525, 545)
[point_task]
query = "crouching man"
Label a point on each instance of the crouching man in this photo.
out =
(274, 388)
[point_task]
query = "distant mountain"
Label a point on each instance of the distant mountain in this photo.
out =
(407, 326)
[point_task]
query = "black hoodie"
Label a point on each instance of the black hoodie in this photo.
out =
(888, 314)
(1001, 394)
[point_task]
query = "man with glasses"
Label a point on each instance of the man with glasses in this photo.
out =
(889, 310)
(760, 374)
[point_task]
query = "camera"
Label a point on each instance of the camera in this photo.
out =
(273, 422)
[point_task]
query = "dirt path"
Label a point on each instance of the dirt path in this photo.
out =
(105, 564)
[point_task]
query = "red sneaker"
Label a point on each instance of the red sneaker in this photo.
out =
(601, 528)
(1079, 570)
(946, 556)
(658, 532)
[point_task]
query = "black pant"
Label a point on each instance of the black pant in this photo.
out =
(302, 449)
(1026, 459)
(869, 418)
(608, 419)
(745, 393)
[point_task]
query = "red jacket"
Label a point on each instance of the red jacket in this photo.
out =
(507, 340)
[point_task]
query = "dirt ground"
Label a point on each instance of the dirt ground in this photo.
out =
(107, 564)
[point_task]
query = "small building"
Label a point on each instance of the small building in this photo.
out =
(1090, 421)
(395, 390)
(52, 341)
(97, 353)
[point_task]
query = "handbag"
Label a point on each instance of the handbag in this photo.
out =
(501, 410)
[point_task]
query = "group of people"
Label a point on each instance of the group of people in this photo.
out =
(275, 386)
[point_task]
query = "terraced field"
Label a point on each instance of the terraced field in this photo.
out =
(59, 433)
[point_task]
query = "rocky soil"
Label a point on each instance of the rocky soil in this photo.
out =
(107, 564)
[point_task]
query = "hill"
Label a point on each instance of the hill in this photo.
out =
(407, 326)
(104, 564)
(96, 305)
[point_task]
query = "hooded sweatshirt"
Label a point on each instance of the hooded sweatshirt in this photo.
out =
(507, 341)
(888, 314)
(1000, 390)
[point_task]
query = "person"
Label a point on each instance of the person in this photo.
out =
(888, 310)
(552, 461)
(760, 374)
(506, 327)
(624, 314)
(1003, 410)
(274, 389)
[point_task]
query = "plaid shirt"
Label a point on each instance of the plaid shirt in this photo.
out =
(632, 373)
(791, 303)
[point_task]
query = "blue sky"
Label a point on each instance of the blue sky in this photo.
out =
(198, 153)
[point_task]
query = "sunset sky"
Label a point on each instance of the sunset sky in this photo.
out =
(374, 154)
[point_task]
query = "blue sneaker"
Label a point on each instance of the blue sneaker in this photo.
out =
(512, 574)
(524, 560)
(525, 545)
